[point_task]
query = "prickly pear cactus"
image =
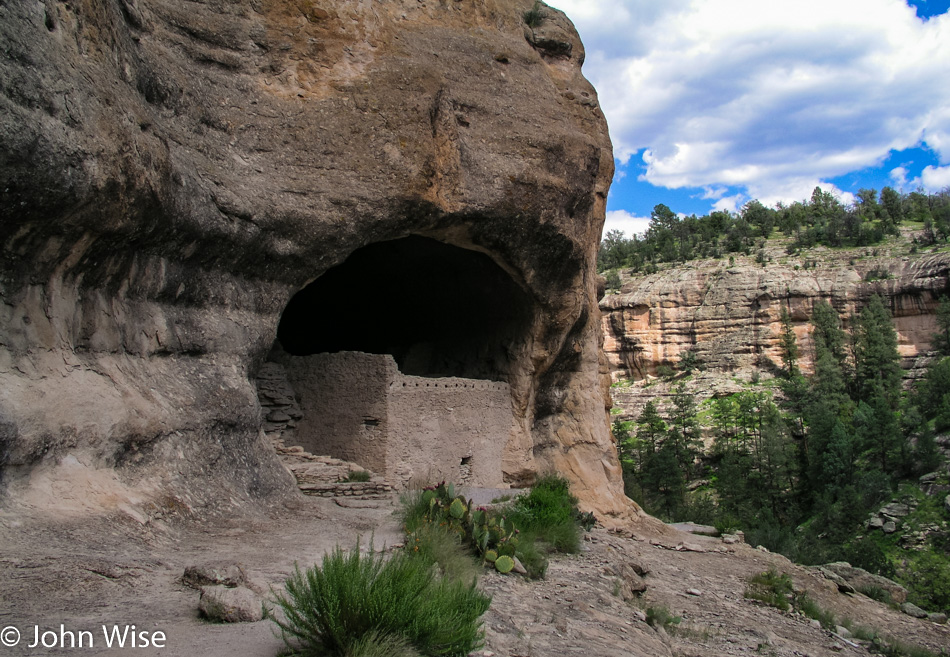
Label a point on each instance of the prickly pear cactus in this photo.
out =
(504, 564)
(457, 509)
(491, 556)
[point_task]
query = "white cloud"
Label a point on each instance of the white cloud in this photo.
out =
(714, 193)
(934, 179)
(899, 176)
(766, 97)
(626, 222)
(795, 189)
(730, 203)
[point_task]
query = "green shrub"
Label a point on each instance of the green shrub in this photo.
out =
(385, 645)
(892, 647)
(532, 557)
(660, 616)
(415, 510)
(771, 588)
(357, 476)
(777, 590)
(613, 280)
(545, 519)
(876, 592)
(549, 513)
(534, 16)
(441, 546)
(806, 605)
(928, 581)
(354, 602)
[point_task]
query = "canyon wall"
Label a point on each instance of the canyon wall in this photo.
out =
(729, 315)
(172, 173)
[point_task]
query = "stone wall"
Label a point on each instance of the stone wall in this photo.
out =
(359, 407)
(448, 429)
(343, 400)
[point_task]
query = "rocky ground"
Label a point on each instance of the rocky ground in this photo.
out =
(114, 570)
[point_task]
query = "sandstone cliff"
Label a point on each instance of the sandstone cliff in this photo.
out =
(729, 314)
(172, 173)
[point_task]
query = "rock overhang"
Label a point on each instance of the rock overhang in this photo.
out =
(207, 162)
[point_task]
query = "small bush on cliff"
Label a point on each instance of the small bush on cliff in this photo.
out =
(357, 605)
(771, 588)
(534, 16)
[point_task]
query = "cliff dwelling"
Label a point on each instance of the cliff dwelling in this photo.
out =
(398, 360)
(394, 216)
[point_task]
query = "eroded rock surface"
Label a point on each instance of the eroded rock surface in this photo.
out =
(172, 173)
(729, 315)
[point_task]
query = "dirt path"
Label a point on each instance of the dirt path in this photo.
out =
(117, 571)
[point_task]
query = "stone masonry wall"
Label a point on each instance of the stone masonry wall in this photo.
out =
(343, 400)
(448, 429)
(359, 407)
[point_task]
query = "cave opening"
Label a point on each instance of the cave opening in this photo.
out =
(438, 309)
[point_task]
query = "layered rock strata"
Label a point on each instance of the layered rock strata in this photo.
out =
(729, 315)
(172, 173)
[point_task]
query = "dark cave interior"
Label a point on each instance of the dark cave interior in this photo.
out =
(438, 309)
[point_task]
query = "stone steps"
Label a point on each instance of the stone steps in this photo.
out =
(323, 476)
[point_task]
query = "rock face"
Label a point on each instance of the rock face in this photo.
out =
(729, 315)
(173, 173)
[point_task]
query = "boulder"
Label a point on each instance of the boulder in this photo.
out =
(860, 579)
(895, 510)
(689, 547)
(693, 528)
(837, 580)
(632, 584)
(220, 573)
(225, 604)
(889, 527)
(911, 609)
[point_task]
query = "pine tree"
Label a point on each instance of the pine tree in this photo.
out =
(879, 434)
(684, 432)
(788, 344)
(651, 429)
(663, 478)
(876, 359)
(828, 334)
(941, 339)
(827, 401)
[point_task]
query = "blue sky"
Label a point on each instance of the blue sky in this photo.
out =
(712, 103)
